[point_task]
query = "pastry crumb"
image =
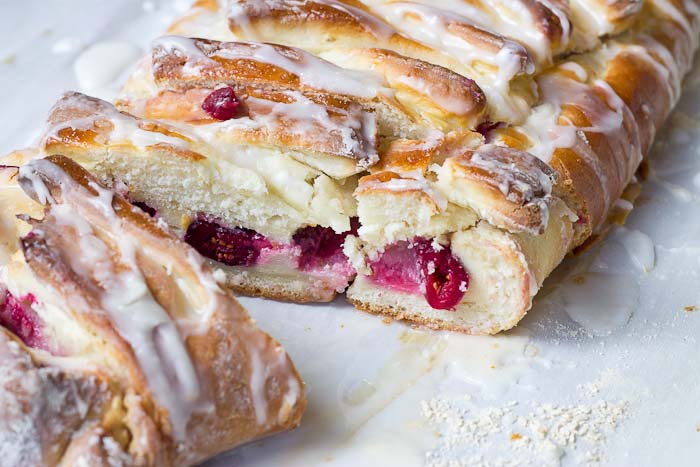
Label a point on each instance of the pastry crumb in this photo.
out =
(690, 309)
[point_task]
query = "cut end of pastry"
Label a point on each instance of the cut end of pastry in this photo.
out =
(185, 378)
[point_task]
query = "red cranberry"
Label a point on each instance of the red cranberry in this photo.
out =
(321, 243)
(446, 280)
(486, 127)
(19, 318)
(222, 104)
(231, 246)
(145, 208)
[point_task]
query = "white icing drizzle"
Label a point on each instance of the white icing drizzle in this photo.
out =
(428, 25)
(419, 183)
(593, 16)
(433, 33)
(504, 173)
(519, 24)
(432, 30)
(369, 22)
(311, 70)
(302, 116)
(125, 128)
(608, 117)
(43, 195)
(451, 102)
(182, 47)
(667, 8)
(260, 373)
(668, 69)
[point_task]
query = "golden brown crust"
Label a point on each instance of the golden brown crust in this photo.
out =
(510, 188)
(422, 86)
(398, 313)
(280, 288)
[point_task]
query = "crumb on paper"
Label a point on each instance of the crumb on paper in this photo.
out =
(579, 280)
(529, 433)
(387, 320)
(9, 59)
(690, 308)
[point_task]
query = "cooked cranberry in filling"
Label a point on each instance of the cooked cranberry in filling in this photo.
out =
(312, 248)
(222, 104)
(145, 208)
(231, 246)
(17, 315)
(419, 267)
(321, 245)
(485, 128)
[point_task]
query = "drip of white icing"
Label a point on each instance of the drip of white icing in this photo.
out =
(639, 247)
(600, 303)
(43, 194)
(102, 63)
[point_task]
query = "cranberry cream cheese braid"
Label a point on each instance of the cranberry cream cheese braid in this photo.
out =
(439, 158)
(118, 346)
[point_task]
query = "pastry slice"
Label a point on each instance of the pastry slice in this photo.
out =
(464, 245)
(237, 190)
(536, 190)
(118, 345)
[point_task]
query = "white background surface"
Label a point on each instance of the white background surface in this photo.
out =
(366, 379)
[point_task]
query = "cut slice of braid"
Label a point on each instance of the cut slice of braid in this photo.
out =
(436, 159)
(107, 312)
